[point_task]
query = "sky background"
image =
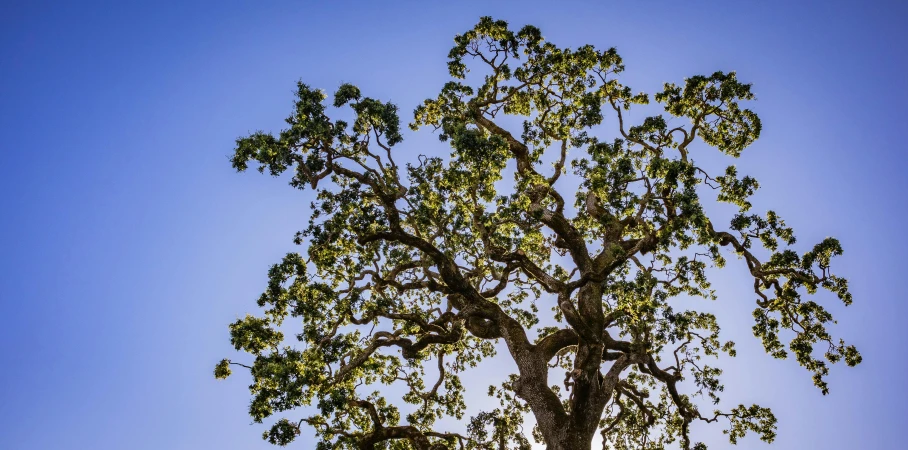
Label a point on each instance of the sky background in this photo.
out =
(127, 243)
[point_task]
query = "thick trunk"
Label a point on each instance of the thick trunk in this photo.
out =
(574, 429)
(571, 441)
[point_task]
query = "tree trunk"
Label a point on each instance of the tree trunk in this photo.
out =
(571, 440)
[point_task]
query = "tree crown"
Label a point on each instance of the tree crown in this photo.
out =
(412, 273)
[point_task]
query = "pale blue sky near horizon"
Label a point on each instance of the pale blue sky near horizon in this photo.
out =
(127, 243)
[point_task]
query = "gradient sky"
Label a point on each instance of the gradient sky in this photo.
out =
(127, 243)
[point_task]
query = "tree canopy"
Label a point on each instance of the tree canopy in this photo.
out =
(563, 250)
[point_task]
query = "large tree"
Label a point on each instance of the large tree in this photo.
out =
(412, 274)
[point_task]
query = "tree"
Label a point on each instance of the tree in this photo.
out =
(413, 273)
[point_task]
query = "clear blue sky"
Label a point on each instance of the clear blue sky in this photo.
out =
(127, 243)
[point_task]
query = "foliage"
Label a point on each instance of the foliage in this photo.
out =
(412, 273)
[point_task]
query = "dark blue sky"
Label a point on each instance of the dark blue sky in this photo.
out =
(128, 243)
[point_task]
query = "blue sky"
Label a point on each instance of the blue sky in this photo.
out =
(128, 243)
